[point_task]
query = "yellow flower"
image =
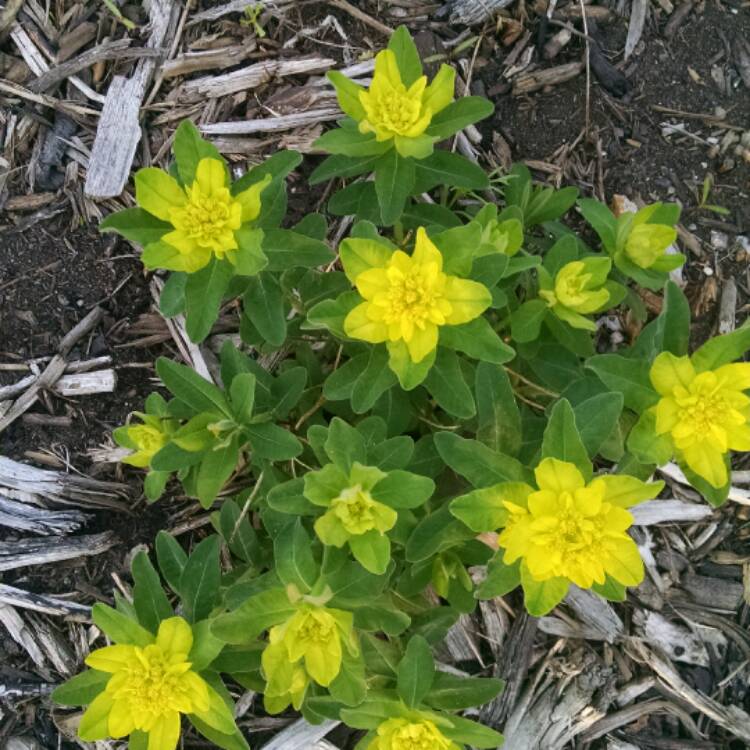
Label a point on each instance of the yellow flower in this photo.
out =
(578, 291)
(402, 734)
(145, 440)
(571, 530)
(706, 413)
(148, 690)
(393, 110)
(408, 298)
(204, 216)
(353, 513)
(314, 637)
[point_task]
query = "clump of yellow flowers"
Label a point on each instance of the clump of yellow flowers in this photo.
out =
(406, 299)
(150, 686)
(704, 413)
(310, 645)
(397, 107)
(205, 217)
(405, 734)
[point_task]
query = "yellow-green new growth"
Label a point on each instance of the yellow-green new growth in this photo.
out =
(578, 290)
(308, 646)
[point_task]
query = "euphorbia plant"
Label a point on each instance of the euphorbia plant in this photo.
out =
(441, 407)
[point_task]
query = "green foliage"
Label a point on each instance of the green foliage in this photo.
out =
(394, 407)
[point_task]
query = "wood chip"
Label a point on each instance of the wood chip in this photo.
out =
(27, 552)
(300, 736)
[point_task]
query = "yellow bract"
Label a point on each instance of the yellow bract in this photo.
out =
(394, 111)
(148, 690)
(353, 513)
(409, 297)
(647, 243)
(314, 637)
(706, 414)
(148, 441)
(572, 530)
(204, 215)
(402, 734)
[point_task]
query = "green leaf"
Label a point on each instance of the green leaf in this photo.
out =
(351, 143)
(446, 383)
(81, 689)
(339, 165)
(286, 248)
(272, 442)
(206, 646)
(372, 550)
(716, 496)
(429, 214)
(264, 305)
(626, 376)
(149, 599)
(477, 339)
(435, 533)
(358, 199)
(376, 379)
(172, 298)
(526, 321)
(287, 390)
(548, 204)
(402, 489)
(596, 418)
(249, 257)
(279, 165)
(120, 628)
(611, 590)
(499, 420)
(136, 225)
(540, 597)
(722, 350)
(345, 445)
(394, 453)
(256, 614)
(293, 556)
(457, 115)
(416, 672)
(217, 466)
(339, 385)
(501, 578)
(394, 180)
(470, 733)
(242, 396)
(480, 465)
(199, 583)
(171, 558)
(173, 458)
(189, 148)
(238, 532)
(410, 374)
(562, 439)
(674, 322)
(190, 387)
(645, 445)
(448, 168)
(350, 685)
(204, 292)
(331, 313)
(482, 510)
(602, 220)
(450, 692)
(407, 56)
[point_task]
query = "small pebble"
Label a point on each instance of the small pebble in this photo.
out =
(708, 270)
(719, 240)
(720, 113)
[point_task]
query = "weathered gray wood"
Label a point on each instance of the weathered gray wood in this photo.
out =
(251, 77)
(471, 12)
(119, 128)
(273, 124)
(23, 517)
(638, 14)
(237, 6)
(300, 736)
(27, 552)
(673, 511)
(48, 605)
(595, 612)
